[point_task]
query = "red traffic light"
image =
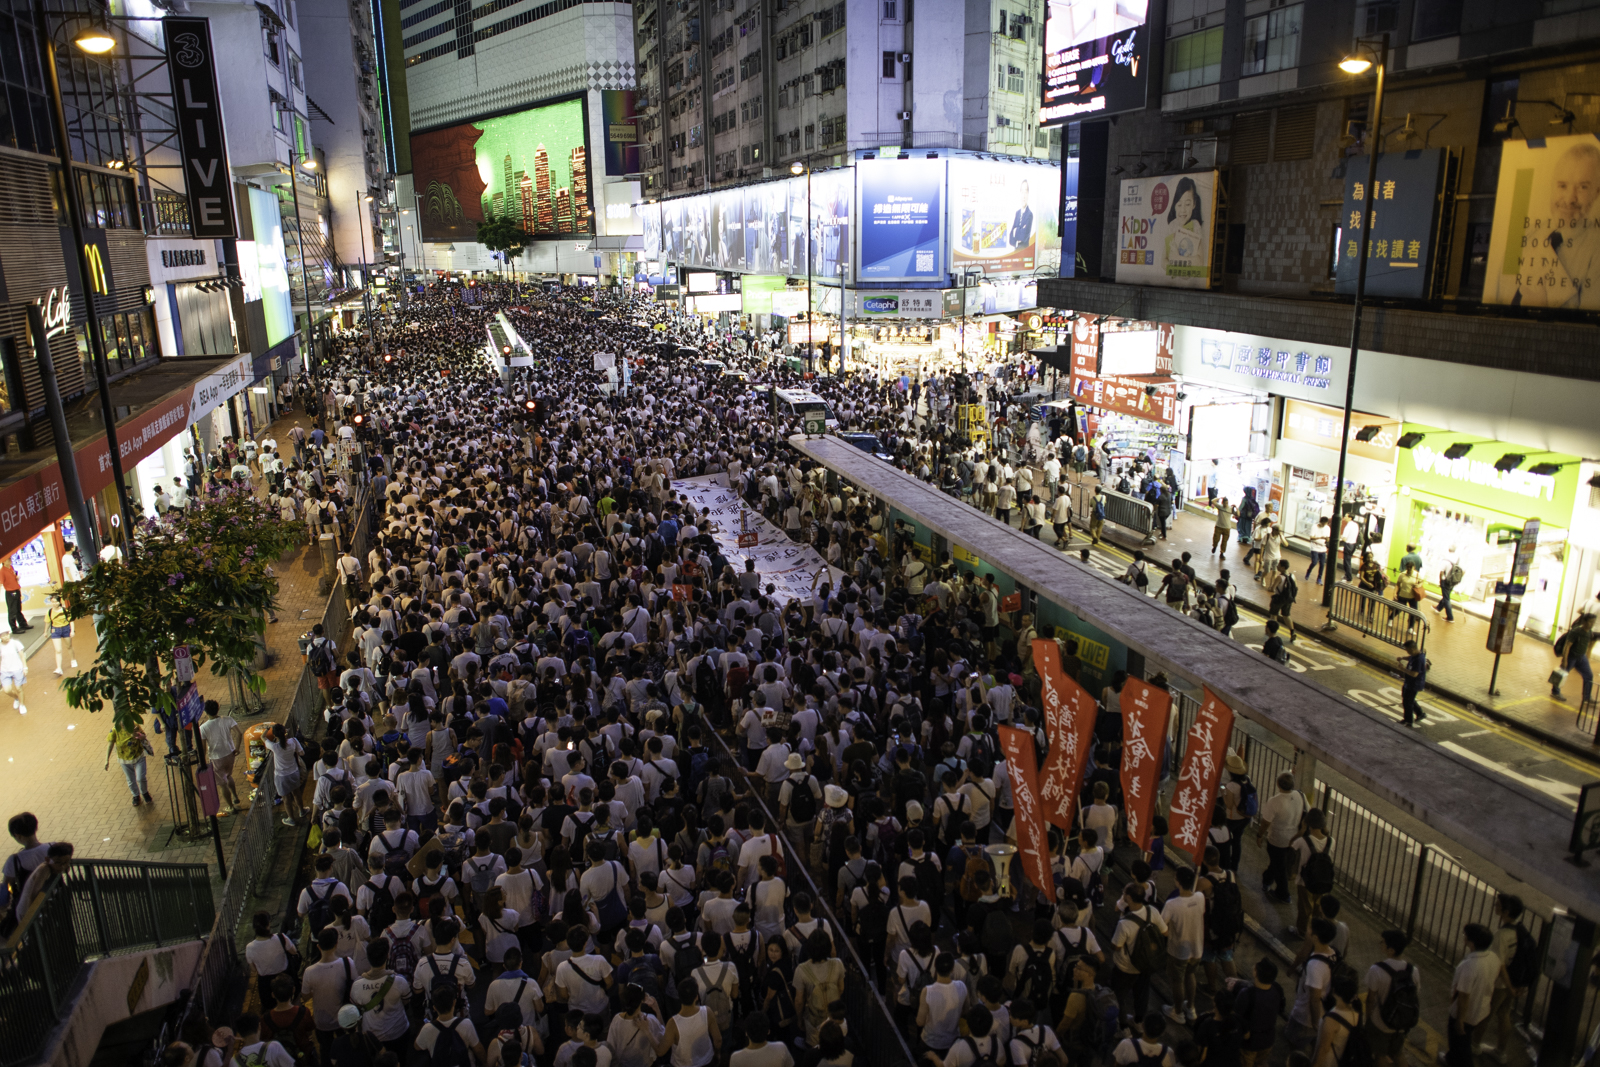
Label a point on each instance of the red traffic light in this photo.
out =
(531, 405)
(387, 358)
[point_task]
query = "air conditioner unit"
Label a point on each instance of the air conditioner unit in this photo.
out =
(903, 116)
(905, 57)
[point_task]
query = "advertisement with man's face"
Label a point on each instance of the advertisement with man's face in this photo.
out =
(1164, 230)
(1544, 250)
(1002, 216)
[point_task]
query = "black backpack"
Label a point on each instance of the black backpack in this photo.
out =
(802, 801)
(1036, 978)
(706, 688)
(1523, 969)
(1318, 870)
(982, 1059)
(580, 837)
(380, 913)
(1401, 1008)
(1225, 920)
(686, 958)
(1357, 1049)
(446, 979)
(320, 913)
(872, 921)
(449, 1050)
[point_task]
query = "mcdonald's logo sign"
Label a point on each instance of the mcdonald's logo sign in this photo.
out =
(96, 281)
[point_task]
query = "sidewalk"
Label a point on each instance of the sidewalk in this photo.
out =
(55, 755)
(1461, 664)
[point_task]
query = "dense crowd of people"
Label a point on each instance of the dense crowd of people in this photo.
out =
(591, 792)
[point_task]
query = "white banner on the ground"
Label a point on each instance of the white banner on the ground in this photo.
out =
(788, 565)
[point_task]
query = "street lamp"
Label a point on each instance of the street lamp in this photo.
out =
(95, 41)
(1371, 53)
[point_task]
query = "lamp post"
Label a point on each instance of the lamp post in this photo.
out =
(306, 163)
(96, 41)
(1372, 54)
(422, 256)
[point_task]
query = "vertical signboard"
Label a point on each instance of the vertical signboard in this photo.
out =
(1204, 750)
(1069, 714)
(1145, 710)
(207, 181)
(1022, 763)
(1404, 221)
(619, 109)
(1164, 230)
(901, 220)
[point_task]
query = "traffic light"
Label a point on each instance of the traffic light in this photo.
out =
(505, 350)
(388, 357)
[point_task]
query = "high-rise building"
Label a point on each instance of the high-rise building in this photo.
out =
(732, 91)
(579, 161)
(564, 219)
(510, 185)
(545, 216)
(529, 217)
(496, 207)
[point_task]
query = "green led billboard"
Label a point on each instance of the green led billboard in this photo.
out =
(530, 165)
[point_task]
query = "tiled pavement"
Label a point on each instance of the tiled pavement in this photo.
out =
(54, 757)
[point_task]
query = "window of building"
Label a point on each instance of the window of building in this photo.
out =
(294, 71)
(273, 48)
(1377, 16)
(1272, 41)
(811, 137)
(889, 10)
(1436, 18)
(1013, 79)
(1194, 59)
(888, 64)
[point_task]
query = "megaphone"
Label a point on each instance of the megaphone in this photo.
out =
(1000, 856)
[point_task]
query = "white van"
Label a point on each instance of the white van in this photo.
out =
(798, 403)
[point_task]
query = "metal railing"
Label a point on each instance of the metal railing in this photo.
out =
(870, 1016)
(1405, 882)
(98, 908)
(1377, 616)
(1129, 512)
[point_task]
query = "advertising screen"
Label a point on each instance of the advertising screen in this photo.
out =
(1130, 353)
(1405, 211)
(622, 210)
(1164, 230)
(1094, 59)
(272, 270)
(1219, 431)
(760, 229)
(1069, 217)
(901, 219)
(1003, 217)
(1544, 249)
(702, 282)
(618, 108)
(530, 166)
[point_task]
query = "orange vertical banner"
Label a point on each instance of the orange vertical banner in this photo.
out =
(1022, 763)
(1069, 714)
(1145, 712)
(1204, 750)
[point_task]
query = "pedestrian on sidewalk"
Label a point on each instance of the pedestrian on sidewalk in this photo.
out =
(13, 587)
(1349, 537)
(1319, 549)
(1097, 515)
(1573, 647)
(1450, 576)
(131, 747)
(61, 632)
(1414, 665)
(1471, 995)
(1280, 822)
(1245, 515)
(1393, 989)
(1223, 526)
(1284, 593)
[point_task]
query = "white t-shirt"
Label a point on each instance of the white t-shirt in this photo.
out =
(1126, 1054)
(271, 1052)
(218, 735)
(1185, 917)
(462, 1027)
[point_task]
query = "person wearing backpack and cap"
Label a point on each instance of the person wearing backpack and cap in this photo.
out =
(799, 797)
(1394, 989)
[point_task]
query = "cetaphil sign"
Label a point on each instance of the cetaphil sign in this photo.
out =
(926, 304)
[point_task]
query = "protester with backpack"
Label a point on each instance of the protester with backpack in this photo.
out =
(1314, 852)
(1519, 953)
(379, 996)
(253, 1051)
(1144, 1047)
(1305, 1017)
(1138, 950)
(1394, 990)
(1342, 1039)
(448, 1039)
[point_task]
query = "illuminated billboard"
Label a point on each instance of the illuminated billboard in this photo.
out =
(1164, 229)
(271, 275)
(759, 229)
(1003, 216)
(1094, 59)
(1546, 225)
(900, 232)
(530, 166)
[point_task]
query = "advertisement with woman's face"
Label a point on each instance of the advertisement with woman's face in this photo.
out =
(1164, 230)
(1544, 250)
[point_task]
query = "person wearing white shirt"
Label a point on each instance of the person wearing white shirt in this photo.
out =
(1132, 986)
(584, 979)
(1147, 1049)
(252, 1049)
(1185, 916)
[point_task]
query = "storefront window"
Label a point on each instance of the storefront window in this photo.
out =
(108, 335)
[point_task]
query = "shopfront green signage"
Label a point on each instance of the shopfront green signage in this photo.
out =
(1542, 486)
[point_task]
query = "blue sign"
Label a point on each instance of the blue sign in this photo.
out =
(901, 220)
(190, 705)
(1404, 219)
(1069, 216)
(1510, 588)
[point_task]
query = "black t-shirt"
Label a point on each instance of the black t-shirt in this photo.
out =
(412, 643)
(1220, 1038)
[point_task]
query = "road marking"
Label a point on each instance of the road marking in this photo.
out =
(1473, 733)
(1567, 794)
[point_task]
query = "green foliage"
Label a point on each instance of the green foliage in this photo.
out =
(504, 237)
(197, 577)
